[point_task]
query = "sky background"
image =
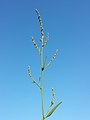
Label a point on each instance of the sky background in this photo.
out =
(68, 25)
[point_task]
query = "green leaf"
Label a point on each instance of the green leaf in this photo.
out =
(53, 109)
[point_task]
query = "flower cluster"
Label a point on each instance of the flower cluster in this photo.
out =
(45, 42)
(54, 55)
(53, 97)
(52, 59)
(41, 25)
(35, 44)
(29, 69)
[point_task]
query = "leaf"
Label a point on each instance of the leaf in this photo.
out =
(53, 109)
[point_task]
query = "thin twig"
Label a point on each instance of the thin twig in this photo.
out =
(34, 81)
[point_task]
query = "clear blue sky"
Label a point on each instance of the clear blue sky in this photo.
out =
(68, 24)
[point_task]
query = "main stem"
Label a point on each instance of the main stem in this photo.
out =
(42, 80)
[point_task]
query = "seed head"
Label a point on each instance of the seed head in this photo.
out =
(53, 93)
(56, 51)
(28, 69)
(32, 39)
(41, 25)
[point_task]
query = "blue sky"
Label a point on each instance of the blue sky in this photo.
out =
(68, 24)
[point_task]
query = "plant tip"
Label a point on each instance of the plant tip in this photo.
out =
(28, 69)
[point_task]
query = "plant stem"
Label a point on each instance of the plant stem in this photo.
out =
(42, 93)
(42, 80)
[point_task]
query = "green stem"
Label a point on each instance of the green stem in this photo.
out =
(42, 80)
(42, 93)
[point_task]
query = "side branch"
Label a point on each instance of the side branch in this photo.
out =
(52, 59)
(34, 81)
(36, 46)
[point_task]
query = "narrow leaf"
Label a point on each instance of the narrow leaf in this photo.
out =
(53, 109)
